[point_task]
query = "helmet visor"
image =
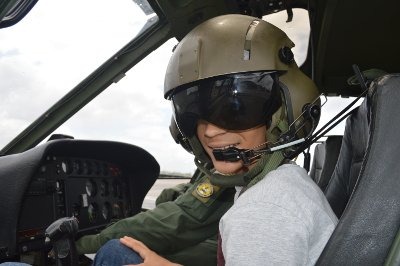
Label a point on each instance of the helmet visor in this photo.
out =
(233, 102)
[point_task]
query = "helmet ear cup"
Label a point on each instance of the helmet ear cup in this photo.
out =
(191, 145)
(178, 137)
(310, 118)
(312, 111)
(286, 55)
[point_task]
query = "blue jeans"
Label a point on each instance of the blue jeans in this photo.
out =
(115, 253)
(13, 264)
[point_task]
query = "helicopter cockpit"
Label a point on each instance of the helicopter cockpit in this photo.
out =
(98, 182)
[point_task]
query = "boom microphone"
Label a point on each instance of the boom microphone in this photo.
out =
(234, 154)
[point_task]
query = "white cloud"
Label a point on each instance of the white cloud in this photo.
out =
(55, 47)
(134, 110)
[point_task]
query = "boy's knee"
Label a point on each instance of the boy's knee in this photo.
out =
(115, 253)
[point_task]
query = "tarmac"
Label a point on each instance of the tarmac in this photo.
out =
(159, 185)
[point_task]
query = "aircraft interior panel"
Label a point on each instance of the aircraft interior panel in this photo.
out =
(98, 182)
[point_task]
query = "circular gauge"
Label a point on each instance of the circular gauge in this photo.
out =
(122, 206)
(77, 167)
(127, 210)
(58, 186)
(105, 169)
(117, 210)
(64, 167)
(76, 209)
(116, 189)
(92, 212)
(91, 188)
(104, 190)
(106, 211)
(69, 167)
(84, 167)
(87, 167)
(96, 168)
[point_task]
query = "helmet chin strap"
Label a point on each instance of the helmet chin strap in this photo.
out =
(264, 164)
(286, 140)
(265, 158)
(220, 179)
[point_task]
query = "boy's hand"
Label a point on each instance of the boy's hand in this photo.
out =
(150, 258)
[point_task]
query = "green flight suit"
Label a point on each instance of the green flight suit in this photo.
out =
(183, 230)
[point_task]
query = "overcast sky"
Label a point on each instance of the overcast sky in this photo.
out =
(56, 46)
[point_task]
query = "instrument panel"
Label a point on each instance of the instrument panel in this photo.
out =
(98, 182)
(95, 192)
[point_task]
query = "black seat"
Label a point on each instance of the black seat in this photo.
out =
(324, 160)
(352, 151)
(371, 218)
(317, 162)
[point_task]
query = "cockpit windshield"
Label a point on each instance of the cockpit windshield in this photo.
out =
(56, 46)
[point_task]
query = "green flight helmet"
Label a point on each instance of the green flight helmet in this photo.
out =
(232, 45)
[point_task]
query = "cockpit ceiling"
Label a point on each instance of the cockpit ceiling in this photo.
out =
(354, 32)
(345, 32)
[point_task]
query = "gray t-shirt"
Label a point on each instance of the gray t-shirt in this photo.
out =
(284, 219)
